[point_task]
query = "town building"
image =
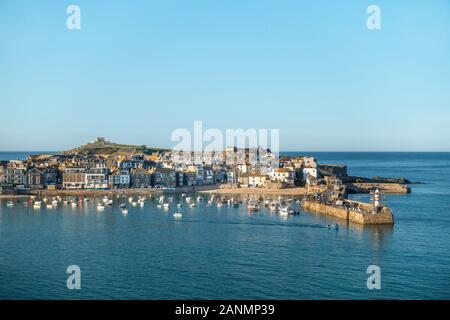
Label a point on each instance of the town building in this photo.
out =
(74, 178)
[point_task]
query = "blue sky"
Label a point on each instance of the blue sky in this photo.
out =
(137, 70)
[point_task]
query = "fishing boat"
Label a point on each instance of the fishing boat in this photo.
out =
(177, 215)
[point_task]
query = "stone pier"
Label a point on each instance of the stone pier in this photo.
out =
(364, 216)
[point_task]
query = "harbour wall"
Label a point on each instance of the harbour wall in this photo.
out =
(366, 187)
(366, 218)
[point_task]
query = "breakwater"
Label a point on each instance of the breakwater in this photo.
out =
(367, 187)
(351, 211)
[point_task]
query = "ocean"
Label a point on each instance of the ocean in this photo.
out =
(225, 253)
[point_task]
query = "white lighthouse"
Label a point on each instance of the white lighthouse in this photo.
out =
(377, 201)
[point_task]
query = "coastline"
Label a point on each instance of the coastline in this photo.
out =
(297, 191)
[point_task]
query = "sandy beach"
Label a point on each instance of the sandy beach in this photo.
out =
(299, 191)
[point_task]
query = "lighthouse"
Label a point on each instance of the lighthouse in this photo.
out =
(377, 201)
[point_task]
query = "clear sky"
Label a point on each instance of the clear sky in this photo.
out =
(137, 70)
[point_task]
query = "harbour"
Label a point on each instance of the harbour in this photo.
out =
(295, 255)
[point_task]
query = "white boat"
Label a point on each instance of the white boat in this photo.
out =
(54, 203)
(100, 207)
(130, 199)
(219, 204)
(142, 203)
(74, 204)
(165, 205)
(10, 204)
(284, 212)
(37, 204)
(179, 205)
(159, 206)
(177, 215)
(49, 206)
(192, 205)
(109, 202)
(86, 199)
(124, 211)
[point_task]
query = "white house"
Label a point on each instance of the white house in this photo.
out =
(282, 175)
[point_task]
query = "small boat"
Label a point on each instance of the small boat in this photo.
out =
(122, 206)
(100, 207)
(179, 205)
(86, 199)
(109, 202)
(10, 203)
(165, 205)
(142, 203)
(134, 204)
(130, 199)
(124, 211)
(37, 204)
(49, 206)
(192, 205)
(284, 212)
(159, 206)
(74, 204)
(333, 226)
(177, 215)
(219, 204)
(55, 203)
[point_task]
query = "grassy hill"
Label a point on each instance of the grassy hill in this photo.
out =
(101, 146)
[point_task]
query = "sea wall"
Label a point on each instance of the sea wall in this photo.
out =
(384, 217)
(366, 187)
